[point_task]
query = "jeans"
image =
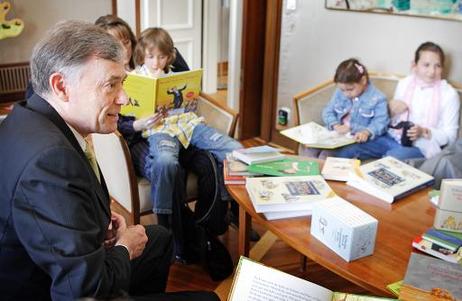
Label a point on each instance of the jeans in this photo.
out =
(165, 170)
(380, 147)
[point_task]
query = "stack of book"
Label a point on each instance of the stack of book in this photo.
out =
(284, 197)
(445, 245)
(235, 171)
(236, 164)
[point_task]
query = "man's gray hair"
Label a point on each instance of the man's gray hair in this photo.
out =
(66, 47)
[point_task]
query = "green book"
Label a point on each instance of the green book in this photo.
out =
(286, 167)
(395, 287)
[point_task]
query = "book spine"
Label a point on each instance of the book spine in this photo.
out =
(442, 239)
(425, 246)
(411, 191)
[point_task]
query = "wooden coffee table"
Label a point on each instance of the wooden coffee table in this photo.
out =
(399, 224)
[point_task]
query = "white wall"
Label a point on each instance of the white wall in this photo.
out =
(38, 16)
(314, 40)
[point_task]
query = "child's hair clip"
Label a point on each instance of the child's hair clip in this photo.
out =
(360, 68)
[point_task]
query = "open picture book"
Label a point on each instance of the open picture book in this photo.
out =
(314, 135)
(176, 91)
(254, 281)
(389, 179)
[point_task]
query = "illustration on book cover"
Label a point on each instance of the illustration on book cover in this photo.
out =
(395, 174)
(296, 189)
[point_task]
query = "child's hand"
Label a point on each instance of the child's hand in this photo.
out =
(417, 131)
(341, 128)
(147, 122)
(362, 136)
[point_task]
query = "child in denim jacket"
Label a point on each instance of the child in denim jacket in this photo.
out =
(357, 107)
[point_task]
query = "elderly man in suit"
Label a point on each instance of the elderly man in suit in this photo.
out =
(58, 237)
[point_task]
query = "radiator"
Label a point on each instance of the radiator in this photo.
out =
(14, 78)
(13, 81)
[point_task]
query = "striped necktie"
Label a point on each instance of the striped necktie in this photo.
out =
(91, 157)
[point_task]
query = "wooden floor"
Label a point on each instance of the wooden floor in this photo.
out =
(280, 256)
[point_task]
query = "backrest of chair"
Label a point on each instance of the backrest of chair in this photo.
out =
(115, 163)
(217, 116)
(309, 104)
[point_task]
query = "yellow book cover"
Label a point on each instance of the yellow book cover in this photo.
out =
(146, 94)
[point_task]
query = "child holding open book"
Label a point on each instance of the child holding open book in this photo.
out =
(179, 129)
(357, 107)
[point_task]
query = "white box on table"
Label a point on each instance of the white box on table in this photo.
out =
(344, 228)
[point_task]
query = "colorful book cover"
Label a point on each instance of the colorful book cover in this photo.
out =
(389, 179)
(436, 250)
(174, 92)
(429, 278)
(445, 239)
(286, 167)
(269, 194)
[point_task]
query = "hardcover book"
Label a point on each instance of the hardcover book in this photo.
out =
(314, 135)
(297, 193)
(389, 179)
(254, 281)
(436, 250)
(446, 239)
(286, 167)
(428, 279)
(238, 168)
(258, 154)
(172, 92)
(339, 169)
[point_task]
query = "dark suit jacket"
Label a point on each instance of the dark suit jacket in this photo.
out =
(54, 213)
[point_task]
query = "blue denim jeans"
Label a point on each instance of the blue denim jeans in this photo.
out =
(380, 147)
(165, 170)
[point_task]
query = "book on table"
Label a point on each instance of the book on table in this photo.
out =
(429, 278)
(286, 167)
(294, 194)
(339, 169)
(255, 281)
(238, 168)
(258, 154)
(389, 179)
(436, 250)
(314, 135)
(174, 92)
(447, 239)
(230, 179)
